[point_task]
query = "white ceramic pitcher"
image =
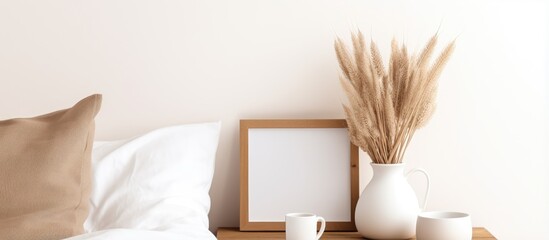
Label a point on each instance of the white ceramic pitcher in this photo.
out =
(388, 206)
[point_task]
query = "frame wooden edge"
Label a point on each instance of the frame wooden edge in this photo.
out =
(355, 183)
(294, 123)
(246, 124)
(244, 223)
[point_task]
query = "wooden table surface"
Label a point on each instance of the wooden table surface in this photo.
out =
(479, 233)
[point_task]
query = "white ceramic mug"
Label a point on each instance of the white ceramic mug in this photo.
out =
(444, 225)
(302, 226)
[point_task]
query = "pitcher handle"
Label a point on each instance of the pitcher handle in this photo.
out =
(421, 170)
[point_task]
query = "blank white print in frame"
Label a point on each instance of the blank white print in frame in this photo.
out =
(299, 170)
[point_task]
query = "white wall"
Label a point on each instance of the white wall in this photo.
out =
(170, 62)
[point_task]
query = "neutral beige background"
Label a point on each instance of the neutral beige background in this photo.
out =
(170, 62)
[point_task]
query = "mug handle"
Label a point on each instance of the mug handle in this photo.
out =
(421, 170)
(322, 227)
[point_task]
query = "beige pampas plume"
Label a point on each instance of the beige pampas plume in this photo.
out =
(386, 106)
(346, 62)
(377, 59)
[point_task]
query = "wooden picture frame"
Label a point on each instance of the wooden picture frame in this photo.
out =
(265, 178)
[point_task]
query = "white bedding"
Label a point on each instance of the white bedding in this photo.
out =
(132, 234)
(154, 186)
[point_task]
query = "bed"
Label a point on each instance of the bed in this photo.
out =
(58, 183)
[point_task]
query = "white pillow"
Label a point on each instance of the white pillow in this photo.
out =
(158, 181)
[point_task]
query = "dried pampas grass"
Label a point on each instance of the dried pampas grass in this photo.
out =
(386, 106)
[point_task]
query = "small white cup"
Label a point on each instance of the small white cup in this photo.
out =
(444, 225)
(302, 226)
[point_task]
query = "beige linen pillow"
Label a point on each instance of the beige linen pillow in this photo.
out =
(45, 172)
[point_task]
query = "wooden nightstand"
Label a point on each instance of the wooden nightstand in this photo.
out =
(235, 234)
